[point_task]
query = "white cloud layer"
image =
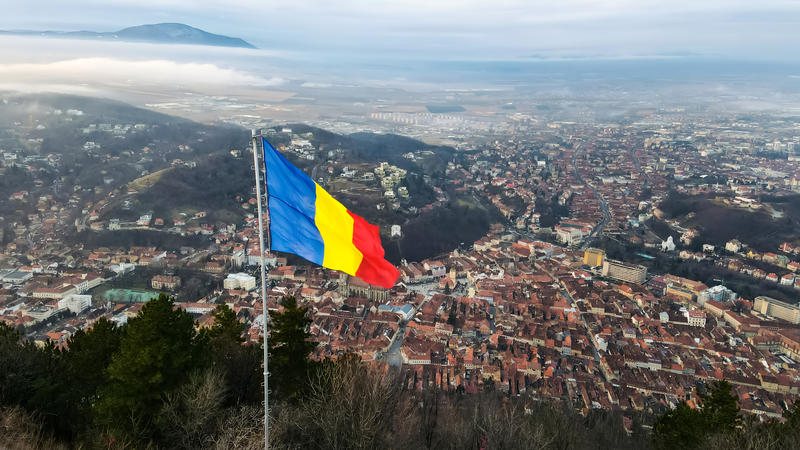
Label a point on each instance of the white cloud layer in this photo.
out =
(82, 72)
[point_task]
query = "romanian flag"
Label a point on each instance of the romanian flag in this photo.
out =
(307, 221)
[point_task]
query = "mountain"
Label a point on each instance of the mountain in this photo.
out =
(159, 33)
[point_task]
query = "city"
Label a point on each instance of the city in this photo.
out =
(613, 243)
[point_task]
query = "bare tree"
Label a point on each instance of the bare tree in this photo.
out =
(189, 415)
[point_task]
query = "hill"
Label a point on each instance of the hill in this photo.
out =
(122, 162)
(719, 222)
(159, 33)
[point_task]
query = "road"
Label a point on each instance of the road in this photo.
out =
(393, 356)
(598, 229)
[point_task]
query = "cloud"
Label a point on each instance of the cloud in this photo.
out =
(458, 29)
(81, 73)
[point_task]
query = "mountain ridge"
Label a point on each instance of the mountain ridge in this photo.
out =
(159, 33)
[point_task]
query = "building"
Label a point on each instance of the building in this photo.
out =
(568, 235)
(57, 292)
(680, 292)
(717, 293)
(240, 281)
(356, 287)
(594, 257)
(76, 304)
(733, 246)
(165, 282)
(668, 245)
(14, 277)
(396, 231)
(778, 309)
(696, 318)
(618, 270)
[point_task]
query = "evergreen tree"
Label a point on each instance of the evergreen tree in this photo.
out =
(241, 364)
(682, 428)
(226, 326)
(685, 427)
(289, 347)
(720, 411)
(158, 351)
(89, 355)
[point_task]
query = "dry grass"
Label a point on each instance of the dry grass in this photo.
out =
(147, 181)
(20, 431)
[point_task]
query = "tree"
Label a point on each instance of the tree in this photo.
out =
(685, 427)
(158, 351)
(189, 417)
(289, 349)
(682, 427)
(348, 405)
(90, 353)
(720, 411)
(32, 377)
(240, 363)
(226, 326)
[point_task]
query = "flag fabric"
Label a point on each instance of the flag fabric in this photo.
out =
(307, 221)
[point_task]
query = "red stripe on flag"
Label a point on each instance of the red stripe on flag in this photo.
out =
(374, 269)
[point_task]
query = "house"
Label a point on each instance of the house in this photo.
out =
(733, 246)
(773, 277)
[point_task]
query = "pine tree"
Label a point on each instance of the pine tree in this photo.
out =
(226, 326)
(89, 355)
(157, 353)
(241, 364)
(289, 350)
(720, 411)
(683, 428)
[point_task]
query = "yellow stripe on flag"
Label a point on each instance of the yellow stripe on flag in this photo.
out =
(335, 226)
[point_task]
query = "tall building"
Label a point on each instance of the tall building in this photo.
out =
(622, 271)
(594, 257)
(778, 309)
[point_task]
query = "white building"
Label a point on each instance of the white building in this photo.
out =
(240, 281)
(144, 219)
(76, 304)
(733, 246)
(122, 268)
(668, 245)
(717, 293)
(569, 235)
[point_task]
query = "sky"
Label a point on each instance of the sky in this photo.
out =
(455, 29)
(411, 44)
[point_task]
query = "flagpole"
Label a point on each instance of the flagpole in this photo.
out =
(262, 249)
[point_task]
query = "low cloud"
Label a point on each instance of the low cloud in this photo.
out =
(88, 73)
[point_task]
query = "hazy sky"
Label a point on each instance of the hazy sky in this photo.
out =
(450, 29)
